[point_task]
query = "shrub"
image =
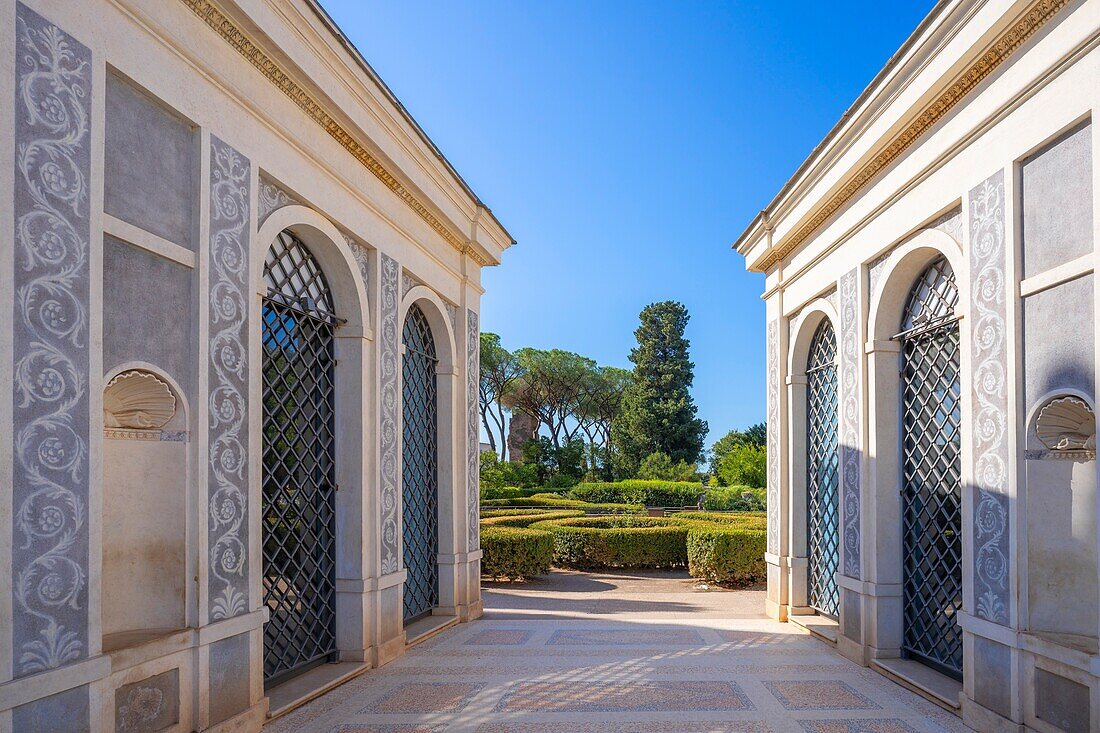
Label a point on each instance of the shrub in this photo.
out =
(644, 493)
(527, 517)
(735, 498)
(743, 465)
(659, 467)
(739, 520)
(514, 552)
(503, 492)
(623, 541)
(555, 501)
(724, 554)
(497, 474)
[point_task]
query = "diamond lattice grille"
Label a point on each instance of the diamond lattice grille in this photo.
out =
(822, 479)
(419, 480)
(932, 491)
(299, 532)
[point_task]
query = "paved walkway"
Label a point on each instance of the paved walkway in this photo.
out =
(603, 653)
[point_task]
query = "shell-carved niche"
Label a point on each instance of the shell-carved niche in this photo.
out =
(1066, 426)
(137, 400)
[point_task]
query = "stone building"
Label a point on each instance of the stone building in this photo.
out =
(239, 364)
(931, 347)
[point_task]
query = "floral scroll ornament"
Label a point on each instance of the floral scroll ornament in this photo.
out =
(850, 420)
(229, 177)
(473, 439)
(51, 410)
(989, 400)
(772, 344)
(391, 276)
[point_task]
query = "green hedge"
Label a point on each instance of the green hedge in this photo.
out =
(622, 542)
(515, 553)
(740, 520)
(644, 493)
(514, 492)
(554, 501)
(527, 517)
(735, 498)
(726, 555)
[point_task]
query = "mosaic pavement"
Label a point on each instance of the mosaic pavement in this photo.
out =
(525, 669)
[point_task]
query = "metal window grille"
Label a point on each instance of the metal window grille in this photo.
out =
(931, 477)
(420, 495)
(822, 466)
(298, 508)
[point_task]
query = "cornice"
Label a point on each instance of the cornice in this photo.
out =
(1034, 18)
(242, 44)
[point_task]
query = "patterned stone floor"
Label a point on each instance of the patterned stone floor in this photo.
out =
(620, 654)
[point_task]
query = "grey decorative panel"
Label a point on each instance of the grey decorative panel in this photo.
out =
(473, 430)
(850, 420)
(228, 381)
(772, 345)
(150, 164)
(229, 677)
(1062, 702)
(851, 613)
(992, 675)
(989, 398)
(361, 256)
(388, 368)
(950, 224)
(64, 712)
(149, 705)
(271, 197)
(50, 348)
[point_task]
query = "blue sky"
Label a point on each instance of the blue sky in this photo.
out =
(625, 146)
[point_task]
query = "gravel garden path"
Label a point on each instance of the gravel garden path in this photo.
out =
(620, 653)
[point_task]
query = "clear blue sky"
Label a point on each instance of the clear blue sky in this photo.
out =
(625, 145)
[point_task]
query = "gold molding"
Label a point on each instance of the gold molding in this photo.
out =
(1032, 20)
(225, 28)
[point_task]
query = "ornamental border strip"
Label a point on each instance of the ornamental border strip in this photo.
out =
(243, 45)
(1034, 18)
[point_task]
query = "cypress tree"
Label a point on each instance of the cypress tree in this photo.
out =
(658, 412)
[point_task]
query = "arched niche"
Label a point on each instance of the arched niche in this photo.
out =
(1060, 476)
(145, 506)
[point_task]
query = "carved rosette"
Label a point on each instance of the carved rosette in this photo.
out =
(989, 399)
(772, 344)
(473, 431)
(228, 378)
(850, 419)
(388, 366)
(50, 347)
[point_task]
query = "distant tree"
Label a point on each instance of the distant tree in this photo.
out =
(659, 467)
(743, 465)
(756, 435)
(555, 465)
(599, 408)
(500, 370)
(551, 388)
(658, 413)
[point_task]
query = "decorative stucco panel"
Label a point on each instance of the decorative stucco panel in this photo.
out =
(50, 347)
(989, 398)
(270, 198)
(773, 435)
(228, 381)
(388, 369)
(473, 431)
(850, 420)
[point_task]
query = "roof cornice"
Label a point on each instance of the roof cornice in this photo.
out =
(1029, 22)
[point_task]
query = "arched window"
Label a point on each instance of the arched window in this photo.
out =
(931, 475)
(822, 484)
(299, 466)
(419, 480)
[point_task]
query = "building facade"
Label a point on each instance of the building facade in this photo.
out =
(931, 349)
(239, 363)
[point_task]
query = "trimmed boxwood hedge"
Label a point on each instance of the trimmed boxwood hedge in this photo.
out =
(515, 553)
(513, 492)
(726, 555)
(644, 493)
(742, 520)
(735, 498)
(556, 502)
(620, 542)
(526, 517)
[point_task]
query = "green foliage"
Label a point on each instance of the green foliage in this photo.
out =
(735, 498)
(623, 542)
(659, 467)
(741, 520)
(515, 552)
(556, 501)
(499, 371)
(527, 517)
(557, 466)
(743, 465)
(658, 412)
(754, 435)
(725, 554)
(497, 474)
(504, 492)
(643, 493)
